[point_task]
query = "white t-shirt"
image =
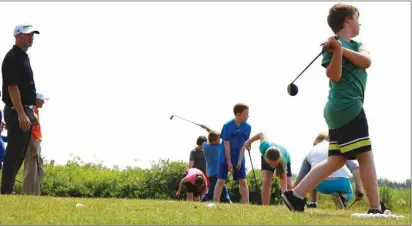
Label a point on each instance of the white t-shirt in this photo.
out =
(319, 153)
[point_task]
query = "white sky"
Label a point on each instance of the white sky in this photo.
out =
(116, 72)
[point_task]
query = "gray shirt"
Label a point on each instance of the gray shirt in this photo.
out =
(198, 157)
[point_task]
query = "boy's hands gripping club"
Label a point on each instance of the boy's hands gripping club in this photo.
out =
(332, 44)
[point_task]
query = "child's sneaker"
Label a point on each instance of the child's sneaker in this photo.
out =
(312, 205)
(292, 202)
(375, 211)
(339, 200)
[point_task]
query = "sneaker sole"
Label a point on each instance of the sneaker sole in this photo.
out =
(338, 201)
(288, 204)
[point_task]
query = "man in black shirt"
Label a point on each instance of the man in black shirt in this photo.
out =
(19, 96)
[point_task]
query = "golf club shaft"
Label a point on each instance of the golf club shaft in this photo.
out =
(309, 65)
(254, 175)
(323, 50)
(352, 203)
(187, 120)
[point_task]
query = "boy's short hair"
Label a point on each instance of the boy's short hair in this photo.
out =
(201, 140)
(273, 154)
(213, 136)
(239, 108)
(337, 14)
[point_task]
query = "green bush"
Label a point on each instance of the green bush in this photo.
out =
(160, 181)
(386, 194)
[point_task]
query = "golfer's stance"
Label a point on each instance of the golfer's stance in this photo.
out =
(195, 182)
(273, 157)
(345, 61)
(337, 184)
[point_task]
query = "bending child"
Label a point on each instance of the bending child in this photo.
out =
(274, 157)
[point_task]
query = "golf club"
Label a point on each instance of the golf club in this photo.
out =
(292, 88)
(171, 117)
(253, 170)
(357, 199)
(352, 203)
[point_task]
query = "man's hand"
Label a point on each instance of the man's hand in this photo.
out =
(24, 122)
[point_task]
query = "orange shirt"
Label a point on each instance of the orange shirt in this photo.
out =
(36, 131)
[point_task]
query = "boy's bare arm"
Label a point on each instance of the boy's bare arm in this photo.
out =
(283, 183)
(206, 128)
(334, 70)
(260, 136)
(227, 152)
(361, 59)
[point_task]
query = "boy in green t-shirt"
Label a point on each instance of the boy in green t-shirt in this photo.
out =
(346, 62)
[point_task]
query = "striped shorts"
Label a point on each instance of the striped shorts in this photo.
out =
(350, 139)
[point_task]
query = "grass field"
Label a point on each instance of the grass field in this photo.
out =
(49, 210)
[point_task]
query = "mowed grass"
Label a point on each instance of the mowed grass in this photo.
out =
(51, 210)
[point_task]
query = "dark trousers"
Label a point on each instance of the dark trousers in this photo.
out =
(211, 189)
(18, 142)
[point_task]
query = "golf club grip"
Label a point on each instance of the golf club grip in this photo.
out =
(324, 49)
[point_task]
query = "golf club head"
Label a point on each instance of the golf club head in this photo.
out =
(292, 89)
(171, 117)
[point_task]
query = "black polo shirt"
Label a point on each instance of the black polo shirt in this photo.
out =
(16, 70)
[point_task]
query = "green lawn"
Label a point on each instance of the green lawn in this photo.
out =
(49, 210)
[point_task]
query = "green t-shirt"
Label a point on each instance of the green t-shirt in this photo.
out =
(345, 100)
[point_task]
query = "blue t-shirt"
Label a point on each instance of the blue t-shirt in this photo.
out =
(211, 153)
(236, 137)
(265, 145)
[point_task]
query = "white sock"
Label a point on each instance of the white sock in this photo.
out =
(379, 208)
(297, 195)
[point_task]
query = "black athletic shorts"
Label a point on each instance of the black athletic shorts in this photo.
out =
(194, 189)
(265, 166)
(350, 139)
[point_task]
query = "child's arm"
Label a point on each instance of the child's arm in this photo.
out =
(179, 190)
(260, 136)
(334, 69)
(361, 59)
(283, 183)
(206, 128)
(227, 154)
(224, 135)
